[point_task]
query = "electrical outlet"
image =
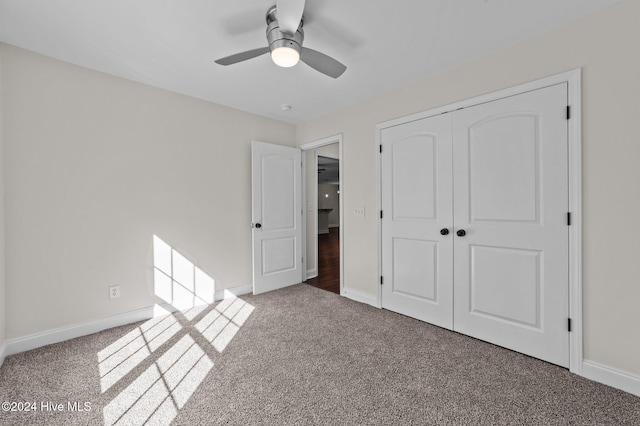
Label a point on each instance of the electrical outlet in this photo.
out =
(358, 211)
(114, 292)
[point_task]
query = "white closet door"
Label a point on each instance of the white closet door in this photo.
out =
(511, 200)
(417, 262)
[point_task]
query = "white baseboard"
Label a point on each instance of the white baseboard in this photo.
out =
(56, 335)
(234, 291)
(367, 298)
(3, 353)
(312, 273)
(612, 377)
(61, 334)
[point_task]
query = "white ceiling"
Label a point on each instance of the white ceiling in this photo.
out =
(172, 44)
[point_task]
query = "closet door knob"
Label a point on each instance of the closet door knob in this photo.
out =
(461, 233)
(444, 231)
(258, 225)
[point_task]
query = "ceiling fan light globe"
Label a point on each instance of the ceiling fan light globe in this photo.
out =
(285, 57)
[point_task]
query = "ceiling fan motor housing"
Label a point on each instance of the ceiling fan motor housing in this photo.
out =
(277, 38)
(285, 45)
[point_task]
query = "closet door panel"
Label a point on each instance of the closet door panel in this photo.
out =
(416, 195)
(511, 200)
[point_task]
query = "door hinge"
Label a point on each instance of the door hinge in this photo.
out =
(568, 218)
(568, 112)
(381, 280)
(380, 214)
(569, 324)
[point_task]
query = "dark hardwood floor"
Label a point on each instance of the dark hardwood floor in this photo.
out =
(328, 262)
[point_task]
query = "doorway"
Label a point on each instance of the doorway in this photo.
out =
(323, 201)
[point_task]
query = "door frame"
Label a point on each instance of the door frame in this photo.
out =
(573, 79)
(330, 140)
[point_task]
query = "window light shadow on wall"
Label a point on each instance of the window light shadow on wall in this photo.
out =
(174, 371)
(177, 280)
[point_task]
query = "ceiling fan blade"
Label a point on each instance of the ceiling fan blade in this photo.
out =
(289, 14)
(243, 56)
(321, 62)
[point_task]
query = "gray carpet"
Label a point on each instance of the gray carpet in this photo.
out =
(297, 356)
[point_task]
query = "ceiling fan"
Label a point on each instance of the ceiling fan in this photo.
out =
(285, 37)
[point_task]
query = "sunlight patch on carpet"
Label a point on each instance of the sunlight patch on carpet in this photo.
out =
(223, 322)
(163, 388)
(122, 356)
(173, 370)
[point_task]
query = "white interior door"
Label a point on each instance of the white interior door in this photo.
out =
(276, 216)
(417, 259)
(511, 201)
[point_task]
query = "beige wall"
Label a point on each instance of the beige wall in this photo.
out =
(95, 166)
(605, 46)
